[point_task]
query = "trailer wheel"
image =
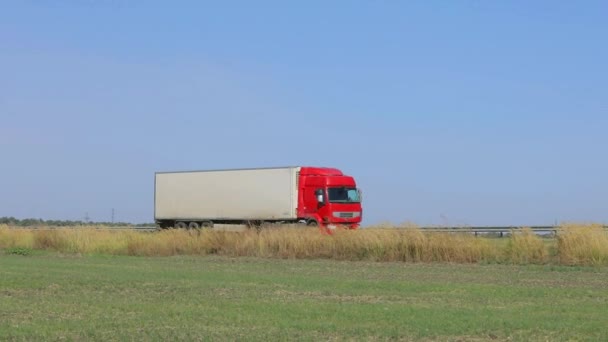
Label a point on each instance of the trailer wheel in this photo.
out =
(180, 225)
(207, 224)
(165, 225)
(256, 225)
(194, 226)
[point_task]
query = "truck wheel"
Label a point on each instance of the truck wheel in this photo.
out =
(180, 225)
(312, 223)
(207, 224)
(194, 226)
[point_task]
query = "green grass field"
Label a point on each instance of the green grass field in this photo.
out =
(49, 296)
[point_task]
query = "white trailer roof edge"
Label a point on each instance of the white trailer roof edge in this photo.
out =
(239, 169)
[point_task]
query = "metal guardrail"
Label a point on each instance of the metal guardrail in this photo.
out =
(500, 231)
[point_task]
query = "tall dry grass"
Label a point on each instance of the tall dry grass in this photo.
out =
(409, 245)
(575, 245)
(525, 247)
(10, 238)
(582, 245)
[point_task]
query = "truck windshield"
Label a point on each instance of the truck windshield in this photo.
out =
(343, 195)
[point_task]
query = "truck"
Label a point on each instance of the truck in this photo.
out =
(315, 196)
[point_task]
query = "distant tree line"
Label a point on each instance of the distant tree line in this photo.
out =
(28, 222)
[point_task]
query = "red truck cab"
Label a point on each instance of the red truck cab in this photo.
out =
(329, 199)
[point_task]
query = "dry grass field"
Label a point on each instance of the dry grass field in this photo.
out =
(574, 245)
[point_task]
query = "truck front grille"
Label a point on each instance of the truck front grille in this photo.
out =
(347, 214)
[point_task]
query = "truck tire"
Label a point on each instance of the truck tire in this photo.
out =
(312, 223)
(194, 226)
(207, 225)
(181, 225)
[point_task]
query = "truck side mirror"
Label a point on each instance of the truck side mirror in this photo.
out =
(320, 196)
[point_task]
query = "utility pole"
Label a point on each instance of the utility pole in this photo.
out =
(112, 215)
(86, 217)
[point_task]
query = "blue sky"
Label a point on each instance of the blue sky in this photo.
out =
(462, 112)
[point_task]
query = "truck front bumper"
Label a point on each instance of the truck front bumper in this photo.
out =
(345, 225)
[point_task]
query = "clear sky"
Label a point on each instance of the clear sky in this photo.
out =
(446, 112)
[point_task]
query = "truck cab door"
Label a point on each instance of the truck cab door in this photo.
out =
(311, 204)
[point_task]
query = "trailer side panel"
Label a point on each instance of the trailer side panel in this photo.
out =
(248, 194)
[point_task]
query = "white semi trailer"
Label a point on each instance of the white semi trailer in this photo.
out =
(225, 196)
